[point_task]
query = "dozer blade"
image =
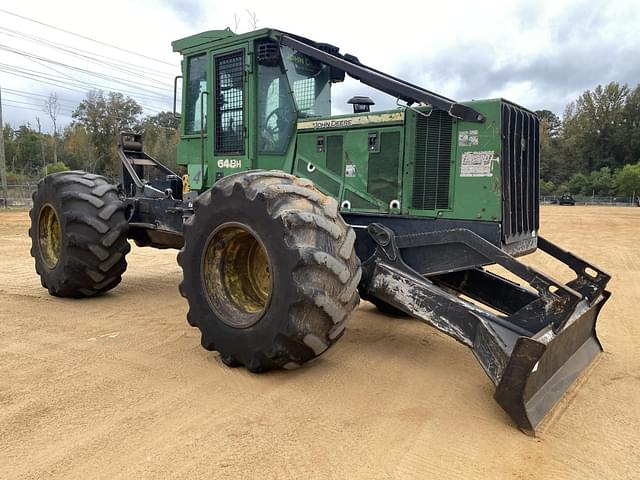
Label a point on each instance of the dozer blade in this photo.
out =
(542, 368)
(533, 343)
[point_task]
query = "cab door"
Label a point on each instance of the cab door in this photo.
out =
(229, 129)
(194, 146)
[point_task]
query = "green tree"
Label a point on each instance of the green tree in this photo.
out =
(550, 123)
(161, 137)
(628, 180)
(547, 188)
(79, 153)
(562, 188)
(628, 135)
(54, 168)
(103, 117)
(23, 153)
(601, 182)
(590, 126)
(552, 166)
(578, 183)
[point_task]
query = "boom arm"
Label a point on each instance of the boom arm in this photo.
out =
(384, 82)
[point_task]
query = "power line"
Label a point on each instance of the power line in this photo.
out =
(86, 54)
(65, 103)
(44, 81)
(86, 38)
(128, 70)
(36, 96)
(145, 106)
(32, 104)
(66, 83)
(104, 76)
(39, 106)
(62, 80)
(19, 107)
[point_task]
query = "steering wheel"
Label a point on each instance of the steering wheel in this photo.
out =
(277, 115)
(272, 124)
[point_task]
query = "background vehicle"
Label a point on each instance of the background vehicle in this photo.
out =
(288, 214)
(566, 199)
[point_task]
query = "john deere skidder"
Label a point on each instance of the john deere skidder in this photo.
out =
(289, 215)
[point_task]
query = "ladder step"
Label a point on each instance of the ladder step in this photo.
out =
(142, 161)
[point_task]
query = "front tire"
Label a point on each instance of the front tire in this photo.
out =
(270, 270)
(78, 234)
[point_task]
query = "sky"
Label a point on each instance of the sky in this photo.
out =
(540, 54)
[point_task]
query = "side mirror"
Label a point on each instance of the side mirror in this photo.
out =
(175, 90)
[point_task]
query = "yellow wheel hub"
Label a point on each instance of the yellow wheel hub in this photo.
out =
(236, 275)
(49, 236)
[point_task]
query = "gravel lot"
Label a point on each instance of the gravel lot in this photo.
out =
(119, 387)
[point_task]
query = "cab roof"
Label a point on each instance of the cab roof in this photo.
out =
(213, 36)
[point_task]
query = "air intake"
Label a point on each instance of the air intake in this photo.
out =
(432, 161)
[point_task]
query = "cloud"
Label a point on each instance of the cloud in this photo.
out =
(545, 62)
(541, 54)
(187, 10)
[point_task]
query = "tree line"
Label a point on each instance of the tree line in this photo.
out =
(593, 150)
(89, 141)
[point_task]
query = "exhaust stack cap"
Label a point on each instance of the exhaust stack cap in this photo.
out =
(361, 104)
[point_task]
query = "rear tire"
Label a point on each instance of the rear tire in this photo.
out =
(78, 234)
(270, 271)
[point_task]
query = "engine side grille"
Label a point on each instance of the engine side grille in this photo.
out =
(433, 161)
(520, 173)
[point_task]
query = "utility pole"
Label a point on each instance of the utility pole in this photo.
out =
(3, 165)
(44, 161)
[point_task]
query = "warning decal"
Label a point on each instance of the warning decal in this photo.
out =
(468, 138)
(477, 164)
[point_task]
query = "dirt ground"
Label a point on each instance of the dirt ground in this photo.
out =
(119, 387)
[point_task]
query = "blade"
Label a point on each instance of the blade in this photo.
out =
(541, 369)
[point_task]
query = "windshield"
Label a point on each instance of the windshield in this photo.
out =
(276, 110)
(309, 82)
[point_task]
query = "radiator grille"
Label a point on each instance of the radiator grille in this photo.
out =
(433, 161)
(520, 173)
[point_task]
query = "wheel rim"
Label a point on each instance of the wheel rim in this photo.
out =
(49, 236)
(236, 275)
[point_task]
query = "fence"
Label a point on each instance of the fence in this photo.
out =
(618, 201)
(17, 196)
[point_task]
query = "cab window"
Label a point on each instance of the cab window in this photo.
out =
(229, 106)
(276, 111)
(196, 84)
(309, 81)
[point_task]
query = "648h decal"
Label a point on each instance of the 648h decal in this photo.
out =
(229, 163)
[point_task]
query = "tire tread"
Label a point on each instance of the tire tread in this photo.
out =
(91, 215)
(323, 241)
